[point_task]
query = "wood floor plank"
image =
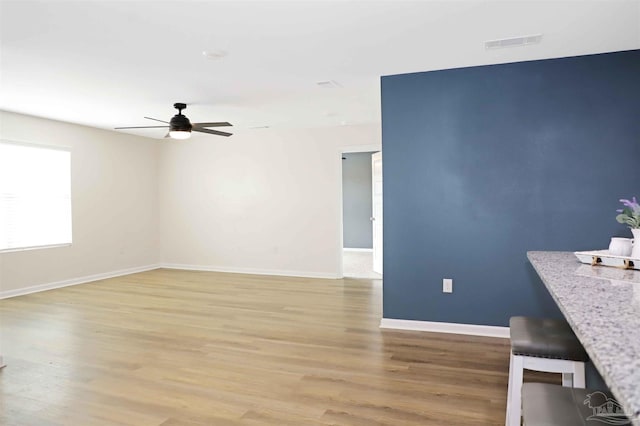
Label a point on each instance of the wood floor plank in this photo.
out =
(169, 347)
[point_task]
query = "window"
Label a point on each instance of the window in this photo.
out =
(35, 196)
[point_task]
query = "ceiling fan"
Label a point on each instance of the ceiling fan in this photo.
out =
(180, 127)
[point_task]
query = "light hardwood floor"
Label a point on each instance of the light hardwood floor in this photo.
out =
(186, 348)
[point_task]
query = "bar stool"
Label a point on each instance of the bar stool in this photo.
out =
(542, 345)
(550, 405)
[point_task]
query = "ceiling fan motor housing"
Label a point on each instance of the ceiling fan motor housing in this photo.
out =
(180, 123)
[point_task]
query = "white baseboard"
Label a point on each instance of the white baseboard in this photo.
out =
(367, 250)
(252, 271)
(74, 281)
(446, 327)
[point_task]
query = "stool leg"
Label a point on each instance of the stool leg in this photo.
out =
(514, 392)
(567, 380)
(509, 386)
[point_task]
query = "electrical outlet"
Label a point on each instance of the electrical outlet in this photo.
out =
(447, 285)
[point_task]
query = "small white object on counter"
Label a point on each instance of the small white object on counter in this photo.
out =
(635, 252)
(620, 246)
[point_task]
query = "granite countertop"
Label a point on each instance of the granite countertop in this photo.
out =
(602, 305)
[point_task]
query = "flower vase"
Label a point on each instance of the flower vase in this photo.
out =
(635, 253)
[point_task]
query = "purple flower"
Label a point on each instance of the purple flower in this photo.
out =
(633, 204)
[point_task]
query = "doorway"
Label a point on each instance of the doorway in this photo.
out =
(362, 214)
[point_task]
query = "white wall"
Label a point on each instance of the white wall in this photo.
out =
(264, 201)
(114, 201)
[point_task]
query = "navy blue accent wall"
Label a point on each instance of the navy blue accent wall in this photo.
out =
(483, 164)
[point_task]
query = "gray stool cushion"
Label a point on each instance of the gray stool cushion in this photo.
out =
(545, 338)
(553, 405)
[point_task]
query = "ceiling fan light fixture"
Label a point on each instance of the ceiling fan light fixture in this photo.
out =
(180, 134)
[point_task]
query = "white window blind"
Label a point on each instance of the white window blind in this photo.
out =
(35, 196)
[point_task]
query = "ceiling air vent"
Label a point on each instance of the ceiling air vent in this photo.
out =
(513, 41)
(329, 84)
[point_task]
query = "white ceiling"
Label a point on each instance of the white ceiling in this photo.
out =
(109, 63)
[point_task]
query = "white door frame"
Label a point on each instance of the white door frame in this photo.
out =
(347, 150)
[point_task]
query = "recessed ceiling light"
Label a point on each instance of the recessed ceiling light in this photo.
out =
(513, 41)
(214, 55)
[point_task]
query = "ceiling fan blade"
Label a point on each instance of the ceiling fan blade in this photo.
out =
(142, 127)
(155, 119)
(213, 124)
(211, 132)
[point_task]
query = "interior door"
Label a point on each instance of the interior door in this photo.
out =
(376, 219)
